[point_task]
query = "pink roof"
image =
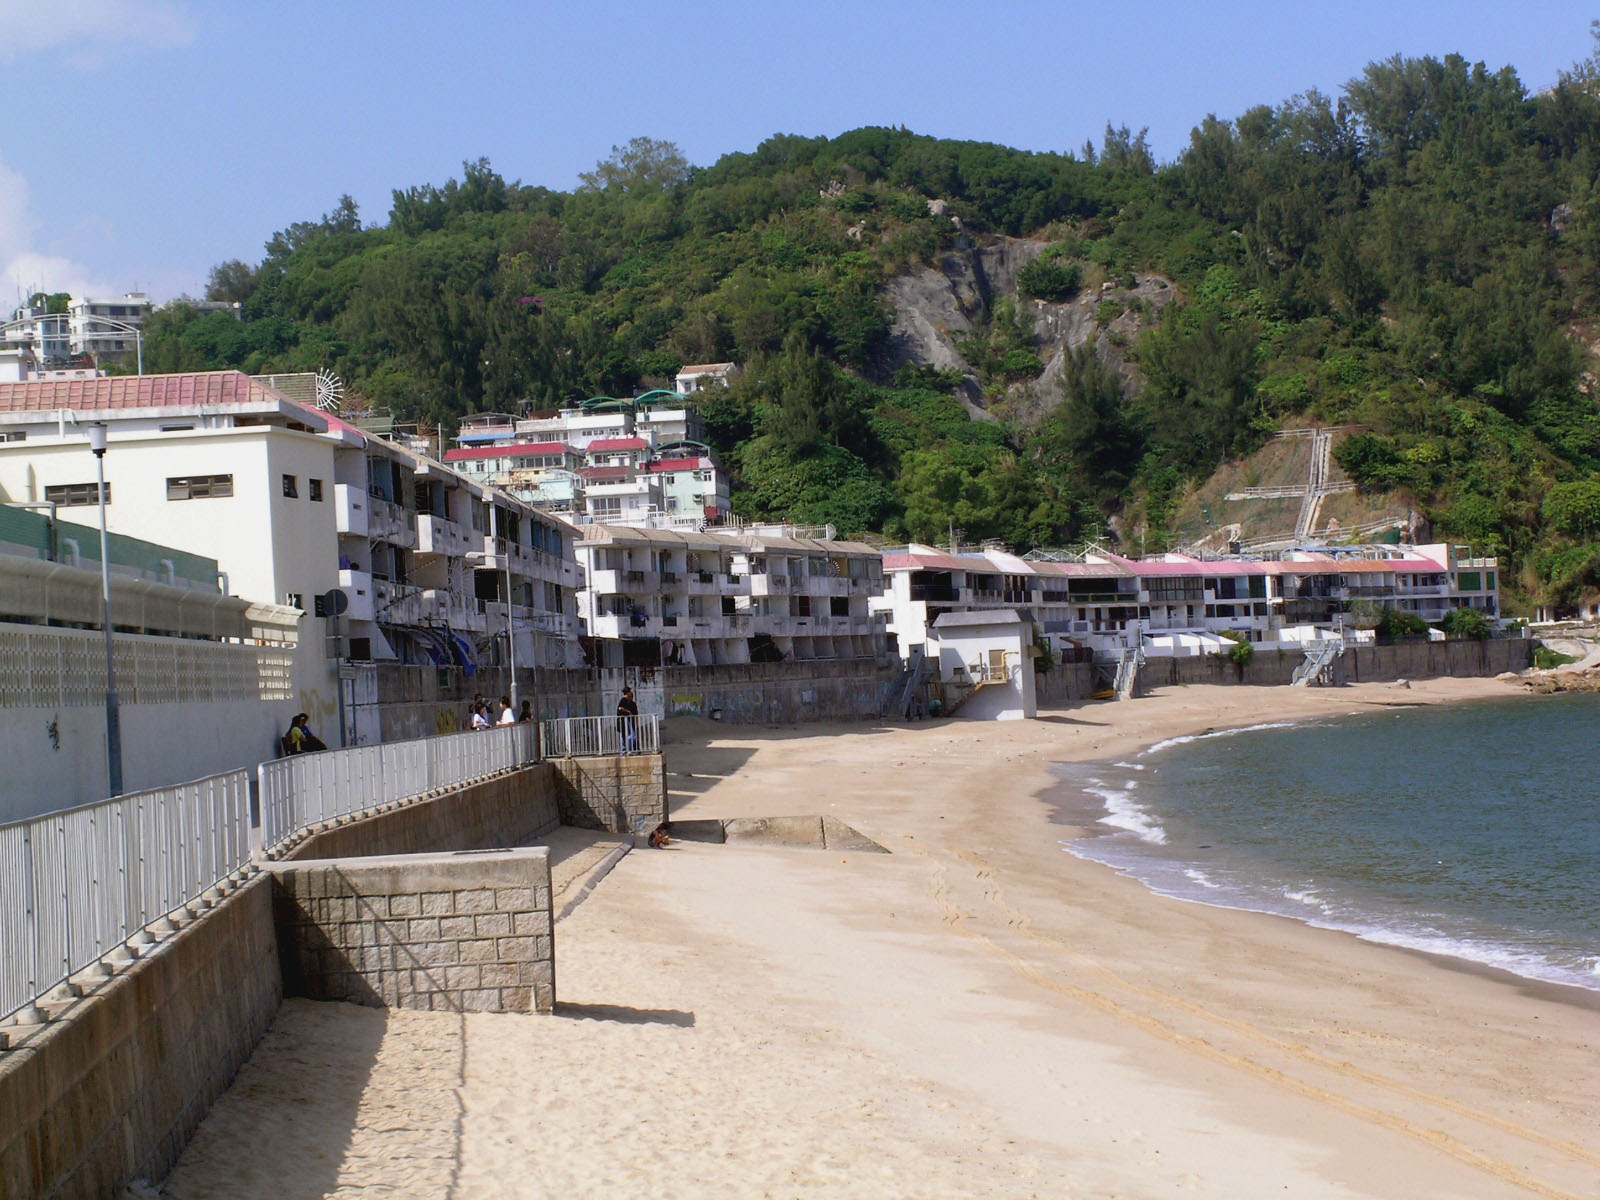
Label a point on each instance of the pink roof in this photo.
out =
(679, 464)
(209, 388)
(603, 474)
(632, 443)
(519, 450)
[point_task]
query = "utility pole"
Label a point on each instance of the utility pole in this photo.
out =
(97, 443)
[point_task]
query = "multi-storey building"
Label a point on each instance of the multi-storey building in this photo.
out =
(1176, 604)
(632, 462)
(391, 557)
(94, 329)
(657, 597)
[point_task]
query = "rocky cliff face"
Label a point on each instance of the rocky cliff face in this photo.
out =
(937, 306)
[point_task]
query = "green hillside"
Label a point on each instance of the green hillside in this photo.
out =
(1415, 255)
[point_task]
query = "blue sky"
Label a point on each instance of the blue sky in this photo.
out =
(147, 140)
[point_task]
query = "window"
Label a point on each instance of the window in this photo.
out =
(199, 487)
(315, 486)
(291, 489)
(13, 437)
(68, 494)
(176, 428)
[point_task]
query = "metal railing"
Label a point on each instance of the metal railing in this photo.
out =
(77, 884)
(592, 737)
(304, 789)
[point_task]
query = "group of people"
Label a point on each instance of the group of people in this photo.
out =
(502, 713)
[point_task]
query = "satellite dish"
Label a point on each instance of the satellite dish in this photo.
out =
(330, 392)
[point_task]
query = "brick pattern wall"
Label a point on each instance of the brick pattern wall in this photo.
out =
(620, 795)
(113, 1089)
(509, 810)
(452, 932)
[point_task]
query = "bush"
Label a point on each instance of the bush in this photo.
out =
(1467, 623)
(1108, 311)
(1050, 279)
(1545, 659)
(1240, 654)
(1396, 624)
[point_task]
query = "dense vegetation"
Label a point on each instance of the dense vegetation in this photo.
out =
(1417, 256)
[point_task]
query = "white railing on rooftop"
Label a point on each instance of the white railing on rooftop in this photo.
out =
(591, 737)
(304, 790)
(77, 885)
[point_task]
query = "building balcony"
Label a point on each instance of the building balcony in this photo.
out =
(439, 535)
(624, 582)
(396, 603)
(440, 606)
(391, 523)
(768, 585)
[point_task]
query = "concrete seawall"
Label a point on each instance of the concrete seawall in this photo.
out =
(112, 1091)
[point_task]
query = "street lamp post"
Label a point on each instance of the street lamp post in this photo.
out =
(97, 443)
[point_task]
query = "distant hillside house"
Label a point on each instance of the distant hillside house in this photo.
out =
(693, 378)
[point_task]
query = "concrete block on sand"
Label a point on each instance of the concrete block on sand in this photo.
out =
(776, 831)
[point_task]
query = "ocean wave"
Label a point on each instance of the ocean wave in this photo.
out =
(1124, 813)
(1200, 877)
(1186, 738)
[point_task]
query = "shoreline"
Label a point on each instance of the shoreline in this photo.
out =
(1067, 797)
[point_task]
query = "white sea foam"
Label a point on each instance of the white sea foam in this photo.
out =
(1200, 877)
(1132, 766)
(1123, 812)
(1214, 733)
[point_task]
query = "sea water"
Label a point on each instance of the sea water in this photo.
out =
(1469, 830)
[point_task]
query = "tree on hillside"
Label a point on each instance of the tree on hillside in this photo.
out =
(644, 164)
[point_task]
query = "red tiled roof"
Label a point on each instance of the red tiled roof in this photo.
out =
(679, 464)
(208, 388)
(632, 443)
(603, 474)
(519, 450)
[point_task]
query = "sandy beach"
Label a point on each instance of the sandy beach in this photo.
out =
(975, 1013)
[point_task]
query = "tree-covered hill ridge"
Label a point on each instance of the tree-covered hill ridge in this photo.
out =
(1026, 346)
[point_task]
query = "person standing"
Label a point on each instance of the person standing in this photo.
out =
(525, 717)
(480, 717)
(508, 715)
(628, 721)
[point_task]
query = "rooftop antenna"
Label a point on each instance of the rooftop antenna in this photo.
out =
(330, 391)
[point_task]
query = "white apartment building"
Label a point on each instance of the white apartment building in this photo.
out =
(634, 462)
(93, 328)
(303, 509)
(1179, 605)
(655, 597)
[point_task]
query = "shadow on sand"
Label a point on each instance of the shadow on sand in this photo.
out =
(624, 1015)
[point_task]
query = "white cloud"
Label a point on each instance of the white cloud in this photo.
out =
(23, 267)
(87, 30)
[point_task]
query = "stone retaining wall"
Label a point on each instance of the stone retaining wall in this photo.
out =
(112, 1090)
(620, 795)
(452, 932)
(508, 810)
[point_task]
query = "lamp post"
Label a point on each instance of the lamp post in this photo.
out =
(97, 443)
